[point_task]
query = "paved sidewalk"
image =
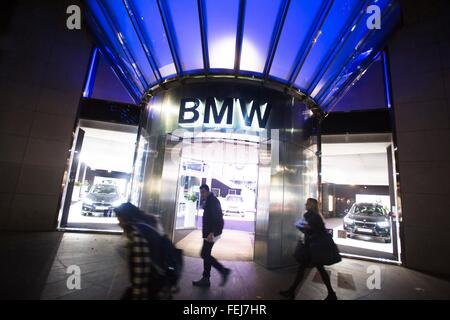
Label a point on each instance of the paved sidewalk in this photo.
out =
(102, 259)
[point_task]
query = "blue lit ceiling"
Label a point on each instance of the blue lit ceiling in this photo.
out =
(318, 47)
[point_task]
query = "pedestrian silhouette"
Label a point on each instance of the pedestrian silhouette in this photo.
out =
(213, 224)
(317, 250)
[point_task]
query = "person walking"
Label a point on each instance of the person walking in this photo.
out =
(212, 229)
(317, 250)
(146, 284)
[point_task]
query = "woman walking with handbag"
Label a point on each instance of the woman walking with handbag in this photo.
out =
(317, 250)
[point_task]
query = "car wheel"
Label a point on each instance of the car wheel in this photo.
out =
(350, 236)
(387, 240)
(83, 213)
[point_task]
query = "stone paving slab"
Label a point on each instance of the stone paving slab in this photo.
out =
(104, 274)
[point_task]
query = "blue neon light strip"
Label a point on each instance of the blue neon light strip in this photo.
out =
(387, 82)
(90, 77)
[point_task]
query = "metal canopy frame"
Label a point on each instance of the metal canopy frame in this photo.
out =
(202, 22)
(239, 36)
(276, 36)
(170, 36)
(345, 87)
(123, 44)
(310, 40)
(326, 96)
(357, 15)
(137, 28)
(122, 73)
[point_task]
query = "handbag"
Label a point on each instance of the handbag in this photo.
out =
(323, 250)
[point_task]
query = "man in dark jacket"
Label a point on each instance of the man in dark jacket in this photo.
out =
(212, 229)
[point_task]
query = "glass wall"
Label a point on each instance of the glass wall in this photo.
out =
(99, 184)
(359, 205)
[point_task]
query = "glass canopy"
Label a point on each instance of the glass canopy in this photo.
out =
(318, 47)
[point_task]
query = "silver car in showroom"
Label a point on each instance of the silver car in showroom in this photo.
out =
(370, 220)
(101, 200)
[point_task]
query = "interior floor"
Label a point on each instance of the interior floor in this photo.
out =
(233, 245)
(78, 221)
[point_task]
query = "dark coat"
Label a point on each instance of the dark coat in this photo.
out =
(212, 216)
(316, 223)
(319, 248)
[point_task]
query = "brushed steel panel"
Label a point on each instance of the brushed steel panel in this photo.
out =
(287, 172)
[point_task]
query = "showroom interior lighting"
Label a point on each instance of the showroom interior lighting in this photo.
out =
(318, 48)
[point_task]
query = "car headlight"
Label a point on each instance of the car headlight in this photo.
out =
(349, 220)
(383, 224)
(88, 201)
(117, 203)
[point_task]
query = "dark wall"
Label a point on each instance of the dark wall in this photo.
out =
(420, 69)
(366, 121)
(106, 111)
(42, 70)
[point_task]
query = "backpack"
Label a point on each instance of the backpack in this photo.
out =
(167, 260)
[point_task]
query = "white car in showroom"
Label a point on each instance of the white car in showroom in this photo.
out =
(233, 204)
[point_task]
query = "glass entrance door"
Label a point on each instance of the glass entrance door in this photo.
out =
(188, 193)
(230, 168)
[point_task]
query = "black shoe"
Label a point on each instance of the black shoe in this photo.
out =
(331, 296)
(203, 282)
(225, 274)
(289, 294)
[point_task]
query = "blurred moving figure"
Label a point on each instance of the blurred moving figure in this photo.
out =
(154, 263)
(317, 250)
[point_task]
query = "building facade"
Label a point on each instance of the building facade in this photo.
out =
(45, 67)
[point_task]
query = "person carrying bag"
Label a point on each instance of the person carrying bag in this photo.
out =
(317, 250)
